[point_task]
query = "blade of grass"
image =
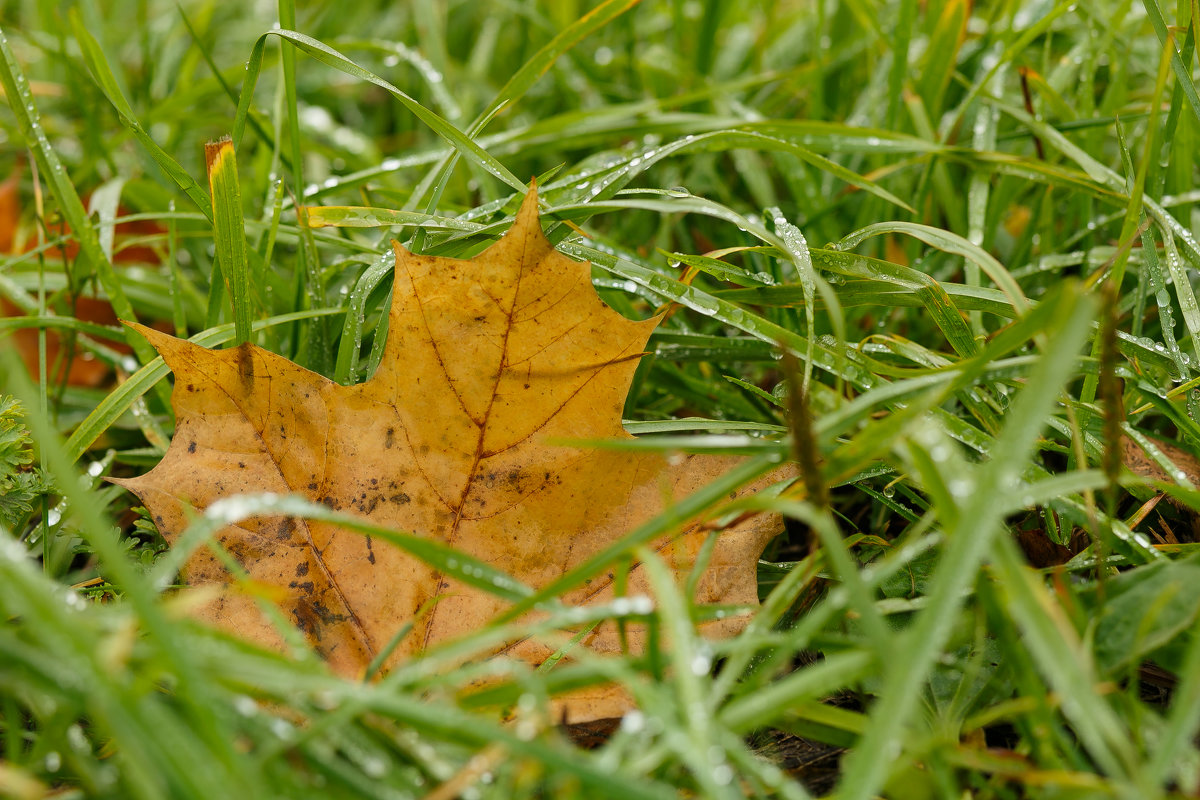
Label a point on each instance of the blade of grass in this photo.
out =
(950, 243)
(252, 115)
(867, 766)
(229, 232)
(16, 88)
(98, 65)
(330, 57)
(1183, 73)
(101, 535)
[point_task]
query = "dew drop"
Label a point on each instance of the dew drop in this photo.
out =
(245, 705)
(281, 728)
(703, 303)
(78, 740)
(633, 722)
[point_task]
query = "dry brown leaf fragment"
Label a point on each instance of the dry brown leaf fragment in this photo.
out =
(1139, 463)
(488, 363)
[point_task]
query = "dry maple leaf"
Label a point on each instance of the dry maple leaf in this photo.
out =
(488, 361)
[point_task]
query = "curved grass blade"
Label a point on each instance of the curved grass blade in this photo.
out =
(97, 64)
(330, 57)
(231, 510)
(372, 217)
(20, 100)
(345, 370)
(950, 243)
(1183, 73)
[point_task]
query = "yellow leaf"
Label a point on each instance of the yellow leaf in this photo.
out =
(488, 362)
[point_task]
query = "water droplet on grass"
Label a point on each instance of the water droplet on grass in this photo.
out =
(633, 722)
(246, 706)
(703, 303)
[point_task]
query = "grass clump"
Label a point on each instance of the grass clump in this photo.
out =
(970, 227)
(19, 485)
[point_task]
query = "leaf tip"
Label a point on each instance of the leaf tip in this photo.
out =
(528, 215)
(217, 150)
(400, 250)
(162, 342)
(145, 330)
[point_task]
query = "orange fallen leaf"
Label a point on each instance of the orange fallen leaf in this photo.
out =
(490, 363)
(80, 368)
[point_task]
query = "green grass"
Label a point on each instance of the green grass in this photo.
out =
(972, 225)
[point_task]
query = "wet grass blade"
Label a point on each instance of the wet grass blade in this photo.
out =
(1183, 73)
(98, 65)
(967, 546)
(330, 57)
(229, 233)
(16, 88)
